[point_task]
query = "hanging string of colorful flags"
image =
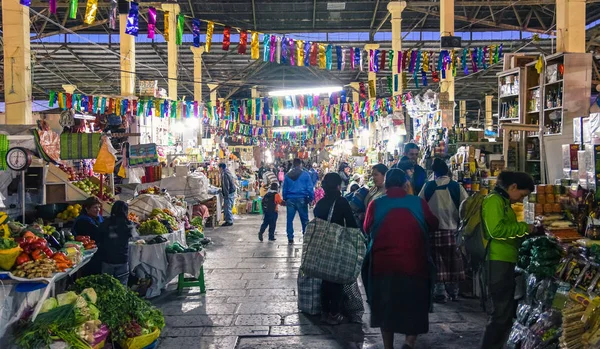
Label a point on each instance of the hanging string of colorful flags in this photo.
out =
(248, 117)
(285, 50)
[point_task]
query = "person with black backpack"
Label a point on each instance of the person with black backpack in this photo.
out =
(444, 196)
(270, 203)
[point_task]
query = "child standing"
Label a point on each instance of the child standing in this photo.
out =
(269, 204)
(319, 193)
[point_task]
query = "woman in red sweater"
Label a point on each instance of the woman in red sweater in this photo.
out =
(398, 264)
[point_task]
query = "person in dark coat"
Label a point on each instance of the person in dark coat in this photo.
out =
(228, 189)
(419, 177)
(398, 268)
(113, 244)
(345, 176)
(89, 219)
(332, 294)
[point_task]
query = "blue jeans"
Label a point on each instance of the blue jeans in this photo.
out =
(118, 271)
(293, 205)
(228, 206)
(270, 221)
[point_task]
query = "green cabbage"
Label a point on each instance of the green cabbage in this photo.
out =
(49, 304)
(90, 295)
(67, 298)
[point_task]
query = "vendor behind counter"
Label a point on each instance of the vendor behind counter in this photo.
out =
(88, 223)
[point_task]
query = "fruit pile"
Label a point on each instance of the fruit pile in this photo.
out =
(92, 188)
(151, 190)
(70, 213)
(73, 176)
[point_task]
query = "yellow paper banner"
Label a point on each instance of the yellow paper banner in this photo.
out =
(210, 27)
(90, 11)
(425, 60)
(322, 58)
(254, 46)
(372, 89)
(166, 28)
(300, 53)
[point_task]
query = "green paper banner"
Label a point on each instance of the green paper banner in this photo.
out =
(180, 25)
(73, 9)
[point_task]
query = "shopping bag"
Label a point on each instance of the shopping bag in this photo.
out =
(331, 252)
(105, 162)
(309, 294)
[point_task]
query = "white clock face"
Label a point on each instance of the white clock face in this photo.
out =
(16, 159)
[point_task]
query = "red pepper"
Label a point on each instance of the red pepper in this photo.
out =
(38, 254)
(48, 252)
(23, 257)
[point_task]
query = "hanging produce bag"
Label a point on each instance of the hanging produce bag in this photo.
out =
(8, 257)
(77, 146)
(105, 162)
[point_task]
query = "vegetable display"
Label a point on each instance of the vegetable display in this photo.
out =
(152, 227)
(69, 317)
(7, 244)
(540, 256)
(119, 307)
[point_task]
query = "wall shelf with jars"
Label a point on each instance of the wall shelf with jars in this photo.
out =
(510, 88)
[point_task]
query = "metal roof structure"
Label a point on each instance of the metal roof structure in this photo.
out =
(87, 55)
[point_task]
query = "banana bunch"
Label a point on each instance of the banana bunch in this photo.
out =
(4, 230)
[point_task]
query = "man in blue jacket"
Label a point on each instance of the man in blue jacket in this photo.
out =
(298, 192)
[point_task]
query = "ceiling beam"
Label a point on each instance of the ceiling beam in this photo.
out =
(192, 7)
(245, 79)
(254, 14)
(314, 19)
(528, 19)
(539, 18)
(374, 15)
(517, 16)
(471, 3)
(482, 22)
(69, 30)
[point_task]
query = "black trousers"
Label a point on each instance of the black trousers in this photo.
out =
(332, 297)
(269, 220)
(501, 286)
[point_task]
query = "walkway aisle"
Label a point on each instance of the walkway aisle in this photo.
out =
(251, 303)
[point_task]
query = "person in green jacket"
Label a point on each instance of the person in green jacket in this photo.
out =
(505, 235)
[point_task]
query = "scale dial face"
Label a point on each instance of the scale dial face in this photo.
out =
(18, 159)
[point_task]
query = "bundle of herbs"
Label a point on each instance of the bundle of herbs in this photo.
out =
(58, 323)
(120, 307)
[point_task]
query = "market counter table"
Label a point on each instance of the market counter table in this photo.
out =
(31, 286)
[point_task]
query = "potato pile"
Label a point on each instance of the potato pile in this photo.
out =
(42, 268)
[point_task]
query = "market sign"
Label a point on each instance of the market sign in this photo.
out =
(149, 88)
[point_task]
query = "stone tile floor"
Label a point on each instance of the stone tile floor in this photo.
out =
(251, 303)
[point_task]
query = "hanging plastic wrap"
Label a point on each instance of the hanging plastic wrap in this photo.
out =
(329, 57)
(166, 26)
(226, 38)
(243, 44)
(210, 27)
(91, 9)
(196, 32)
(52, 6)
(343, 58)
(382, 60)
(266, 47)
(372, 92)
(132, 26)
(254, 46)
(284, 50)
(292, 51)
(151, 22)
(277, 50)
(72, 8)
(179, 30)
(322, 57)
(300, 52)
(272, 48)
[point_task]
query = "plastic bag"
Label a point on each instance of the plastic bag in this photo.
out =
(517, 335)
(105, 162)
(545, 293)
(523, 312)
(141, 341)
(532, 285)
(8, 257)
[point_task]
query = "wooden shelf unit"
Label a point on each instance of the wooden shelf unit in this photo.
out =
(510, 95)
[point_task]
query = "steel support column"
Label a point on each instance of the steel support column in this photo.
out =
(570, 26)
(17, 63)
(173, 49)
